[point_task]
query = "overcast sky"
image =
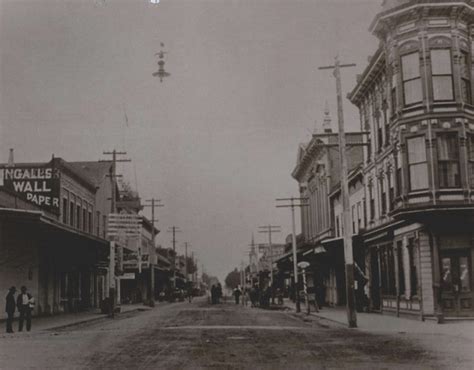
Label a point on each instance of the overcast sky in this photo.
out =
(218, 139)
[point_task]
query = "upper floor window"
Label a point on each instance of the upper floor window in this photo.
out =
(411, 78)
(393, 94)
(471, 160)
(64, 210)
(465, 78)
(417, 164)
(442, 72)
(448, 160)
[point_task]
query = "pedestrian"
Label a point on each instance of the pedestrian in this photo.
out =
(10, 308)
(25, 304)
(213, 294)
(237, 294)
(219, 292)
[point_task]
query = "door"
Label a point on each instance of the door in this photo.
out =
(374, 280)
(456, 283)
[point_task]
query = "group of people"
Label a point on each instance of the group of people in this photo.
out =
(216, 293)
(24, 302)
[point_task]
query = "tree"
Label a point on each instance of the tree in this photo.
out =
(233, 279)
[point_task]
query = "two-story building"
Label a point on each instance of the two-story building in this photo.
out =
(415, 98)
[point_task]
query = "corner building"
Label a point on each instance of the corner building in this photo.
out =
(415, 99)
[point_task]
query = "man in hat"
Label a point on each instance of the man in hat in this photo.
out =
(10, 308)
(25, 303)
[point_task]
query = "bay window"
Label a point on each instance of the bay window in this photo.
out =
(465, 78)
(442, 73)
(417, 164)
(448, 160)
(411, 78)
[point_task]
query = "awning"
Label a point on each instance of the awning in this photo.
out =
(332, 241)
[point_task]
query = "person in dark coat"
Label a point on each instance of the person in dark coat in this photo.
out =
(25, 304)
(10, 308)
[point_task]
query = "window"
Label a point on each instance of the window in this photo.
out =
(441, 70)
(391, 192)
(97, 218)
(372, 202)
(393, 94)
(359, 215)
(104, 225)
(448, 160)
(78, 217)
(383, 196)
(365, 211)
(411, 78)
(353, 220)
(471, 159)
(417, 165)
(338, 231)
(90, 223)
(65, 209)
(71, 213)
(465, 78)
(84, 219)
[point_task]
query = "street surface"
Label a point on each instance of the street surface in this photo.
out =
(198, 335)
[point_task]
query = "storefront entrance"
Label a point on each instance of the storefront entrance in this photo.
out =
(456, 282)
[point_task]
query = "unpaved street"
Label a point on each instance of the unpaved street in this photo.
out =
(199, 335)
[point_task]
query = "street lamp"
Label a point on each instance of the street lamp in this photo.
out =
(161, 73)
(303, 265)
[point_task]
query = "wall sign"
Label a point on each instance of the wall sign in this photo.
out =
(37, 185)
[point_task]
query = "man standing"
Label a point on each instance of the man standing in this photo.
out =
(24, 303)
(10, 308)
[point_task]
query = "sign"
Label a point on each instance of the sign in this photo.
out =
(128, 276)
(37, 185)
(124, 226)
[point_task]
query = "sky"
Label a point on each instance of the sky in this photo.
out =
(217, 140)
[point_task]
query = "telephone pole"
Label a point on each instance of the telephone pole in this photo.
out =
(113, 199)
(253, 250)
(174, 230)
(348, 252)
(294, 202)
(154, 203)
(270, 229)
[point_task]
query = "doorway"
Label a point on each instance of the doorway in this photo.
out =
(456, 282)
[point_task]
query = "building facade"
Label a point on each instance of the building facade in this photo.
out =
(415, 99)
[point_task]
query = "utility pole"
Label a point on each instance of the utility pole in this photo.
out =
(270, 229)
(348, 252)
(154, 203)
(174, 230)
(253, 245)
(113, 209)
(294, 202)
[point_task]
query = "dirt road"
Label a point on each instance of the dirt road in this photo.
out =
(198, 335)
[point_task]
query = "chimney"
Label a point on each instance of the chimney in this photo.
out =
(11, 162)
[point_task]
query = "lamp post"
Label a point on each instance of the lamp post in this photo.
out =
(303, 265)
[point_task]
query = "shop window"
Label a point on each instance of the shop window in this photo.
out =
(412, 254)
(442, 73)
(417, 164)
(412, 92)
(465, 78)
(448, 160)
(401, 270)
(471, 160)
(388, 271)
(464, 276)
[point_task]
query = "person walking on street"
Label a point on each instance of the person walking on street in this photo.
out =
(237, 294)
(10, 308)
(25, 303)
